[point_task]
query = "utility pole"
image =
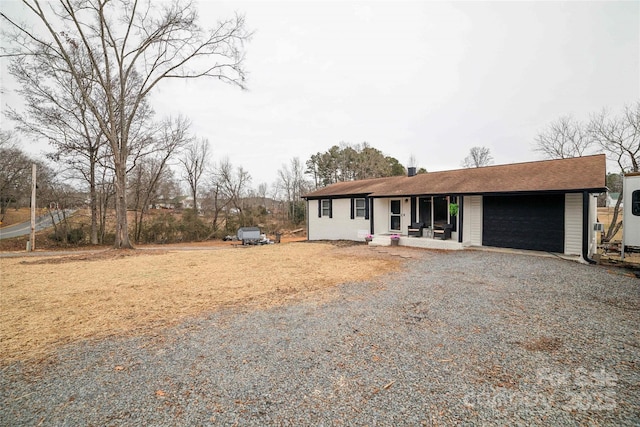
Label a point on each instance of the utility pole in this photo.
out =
(32, 239)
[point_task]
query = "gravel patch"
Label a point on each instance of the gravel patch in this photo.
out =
(466, 338)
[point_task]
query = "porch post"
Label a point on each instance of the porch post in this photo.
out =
(460, 217)
(371, 228)
(413, 209)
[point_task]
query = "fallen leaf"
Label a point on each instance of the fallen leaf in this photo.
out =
(119, 368)
(160, 393)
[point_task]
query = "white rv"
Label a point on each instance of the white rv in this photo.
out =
(631, 212)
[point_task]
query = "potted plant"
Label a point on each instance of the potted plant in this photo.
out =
(453, 209)
(368, 238)
(395, 239)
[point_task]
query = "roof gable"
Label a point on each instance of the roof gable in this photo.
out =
(574, 174)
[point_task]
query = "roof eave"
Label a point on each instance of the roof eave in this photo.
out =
(481, 193)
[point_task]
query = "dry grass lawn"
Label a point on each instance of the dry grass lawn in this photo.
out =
(16, 216)
(45, 302)
(605, 215)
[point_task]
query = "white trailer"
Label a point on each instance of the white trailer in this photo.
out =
(248, 235)
(631, 212)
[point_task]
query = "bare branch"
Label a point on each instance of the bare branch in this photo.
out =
(478, 157)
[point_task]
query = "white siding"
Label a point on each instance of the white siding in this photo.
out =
(631, 229)
(380, 216)
(573, 224)
(340, 226)
(472, 227)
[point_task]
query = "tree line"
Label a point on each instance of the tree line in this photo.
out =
(347, 162)
(215, 197)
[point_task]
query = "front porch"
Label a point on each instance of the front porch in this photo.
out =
(417, 242)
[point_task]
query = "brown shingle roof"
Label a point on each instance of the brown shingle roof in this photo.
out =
(579, 173)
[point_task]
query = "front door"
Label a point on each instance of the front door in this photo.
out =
(395, 215)
(425, 211)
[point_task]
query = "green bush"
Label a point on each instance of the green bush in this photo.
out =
(75, 236)
(192, 227)
(162, 228)
(71, 236)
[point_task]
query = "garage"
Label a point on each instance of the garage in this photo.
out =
(532, 222)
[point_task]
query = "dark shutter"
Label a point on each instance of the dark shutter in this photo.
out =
(366, 208)
(319, 208)
(353, 202)
(330, 208)
(371, 229)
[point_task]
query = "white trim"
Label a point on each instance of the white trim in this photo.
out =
(473, 220)
(573, 224)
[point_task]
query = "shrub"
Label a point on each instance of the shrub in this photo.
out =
(162, 229)
(192, 227)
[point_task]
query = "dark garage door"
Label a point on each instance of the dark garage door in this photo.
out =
(524, 222)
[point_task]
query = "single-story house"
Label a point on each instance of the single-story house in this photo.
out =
(545, 205)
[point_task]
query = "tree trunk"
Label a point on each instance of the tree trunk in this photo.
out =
(138, 235)
(122, 232)
(614, 226)
(93, 202)
(103, 218)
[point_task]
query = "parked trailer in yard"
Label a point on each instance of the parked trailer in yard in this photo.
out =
(249, 235)
(631, 213)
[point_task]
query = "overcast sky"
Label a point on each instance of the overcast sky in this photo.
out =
(428, 79)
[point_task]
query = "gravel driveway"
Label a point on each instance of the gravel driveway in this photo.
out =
(469, 337)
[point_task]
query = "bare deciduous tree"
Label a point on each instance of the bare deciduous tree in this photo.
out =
(619, 137)
(56, 112)
(292, 182)
(15, 171)
(195, 162)
(148, 173)
(233, 184)
(215, 200)
(564, 138)
(478, 157)
(130, 48)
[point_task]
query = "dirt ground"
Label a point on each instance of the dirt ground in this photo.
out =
(49, 301)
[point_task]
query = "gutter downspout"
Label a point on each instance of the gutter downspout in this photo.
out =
(585, 228)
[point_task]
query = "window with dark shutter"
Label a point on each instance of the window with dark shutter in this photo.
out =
(360, 208)
(366, 208)
(325, 208)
